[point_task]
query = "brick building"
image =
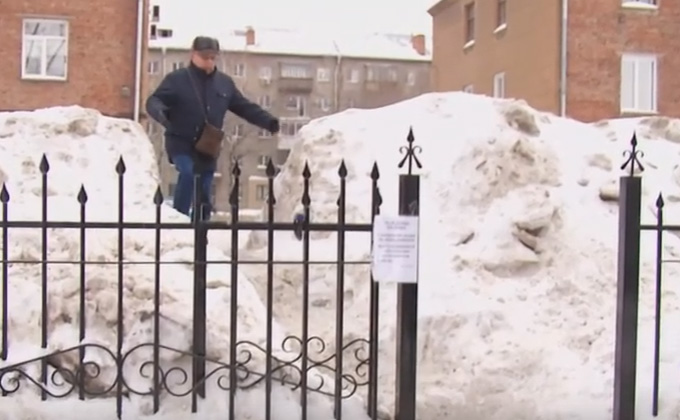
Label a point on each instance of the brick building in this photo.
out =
(587, 59)
(73, 52)
(298, 76)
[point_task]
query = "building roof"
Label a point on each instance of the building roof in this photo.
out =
(439, 5)
(299, 42)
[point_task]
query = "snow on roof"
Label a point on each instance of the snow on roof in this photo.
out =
(283, 41)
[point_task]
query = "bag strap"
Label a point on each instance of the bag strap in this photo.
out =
(198, 95)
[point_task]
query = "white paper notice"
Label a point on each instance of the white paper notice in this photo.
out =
(395, 249)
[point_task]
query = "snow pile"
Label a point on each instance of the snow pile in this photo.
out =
(518, 259)
(82, 146)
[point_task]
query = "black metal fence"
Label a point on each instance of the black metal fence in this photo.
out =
(79, 376)
(628, 286)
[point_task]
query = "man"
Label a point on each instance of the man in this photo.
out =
(184, 101)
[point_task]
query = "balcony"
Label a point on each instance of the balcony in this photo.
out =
(295, 78)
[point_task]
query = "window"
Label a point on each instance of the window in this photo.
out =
(323, 74)
(239, 70)
(469, 23)
(392, 75)
(501, 14)
(265, 73)
(638, 83)
(154, 67)
(261, 192)
(411, 78)
(238, 130)
(291, 128)
(468, 89)
(639, 3)
(325, 104)
(262, 161)
(296, 103)
(353, 76)
(45, 49)
(155, 13)
(265, 101)
(295, 71)
(177, 65)
(264, 134)
(499, 85)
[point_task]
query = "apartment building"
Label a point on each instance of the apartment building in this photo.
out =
(298, 77)
(586, 59)
(77, 52)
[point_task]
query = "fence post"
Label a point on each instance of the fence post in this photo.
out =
(200, 270)
(630, 200)
(407, 296)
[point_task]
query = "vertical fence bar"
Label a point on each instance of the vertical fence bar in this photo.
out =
(340, 293)
(200, 270)
(374, 323)
(625, 364)
(158, 201)
(271, 202)
(82, 200)
(407, 296)
(4, 198)
(120, 170)
(234, 200)
(44, 169)
(657, 303)
(304, 363)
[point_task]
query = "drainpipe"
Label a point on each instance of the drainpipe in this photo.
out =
(563, 58)
(337, 78)
(138, 59)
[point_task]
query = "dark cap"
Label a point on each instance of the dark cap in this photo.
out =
(205, 43)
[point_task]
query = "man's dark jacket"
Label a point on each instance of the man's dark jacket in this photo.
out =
(176, 105)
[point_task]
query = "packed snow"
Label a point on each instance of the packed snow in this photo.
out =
(517, 273)
(82, 146)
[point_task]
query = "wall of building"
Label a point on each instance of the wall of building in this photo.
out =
(527, 50)
(101, 56)
(599, 31)
(320, 98)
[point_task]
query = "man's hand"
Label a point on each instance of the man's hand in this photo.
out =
(274, 126)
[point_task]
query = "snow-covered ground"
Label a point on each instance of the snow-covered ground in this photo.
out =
(519, 237)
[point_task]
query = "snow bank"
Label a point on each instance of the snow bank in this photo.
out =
(519, 237)
(82, 146)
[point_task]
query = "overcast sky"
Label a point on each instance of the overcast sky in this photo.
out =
(407, 16)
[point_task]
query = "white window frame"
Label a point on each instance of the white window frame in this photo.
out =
(411, 78)
(239, 70)
(501, 15)
(499, 85)
(265, 101)
(176, 65)
(469, 88)
(323, 74)
(640, 4)
(638, 59)
(43, 58)
(261, 192)
(262, 161)
(325, 104)
(154, 67)
(264, 134)
(238, 131)
(266, 73)
(354, 76)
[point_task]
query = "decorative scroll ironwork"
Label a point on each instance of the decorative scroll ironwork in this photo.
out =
(410, 153)
(633, 157)
(285, 371)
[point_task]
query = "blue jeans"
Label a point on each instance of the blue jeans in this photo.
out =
(184, 190)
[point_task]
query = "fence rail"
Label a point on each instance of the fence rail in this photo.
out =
(84, 375)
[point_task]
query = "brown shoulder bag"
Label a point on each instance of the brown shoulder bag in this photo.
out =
(210, 141)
